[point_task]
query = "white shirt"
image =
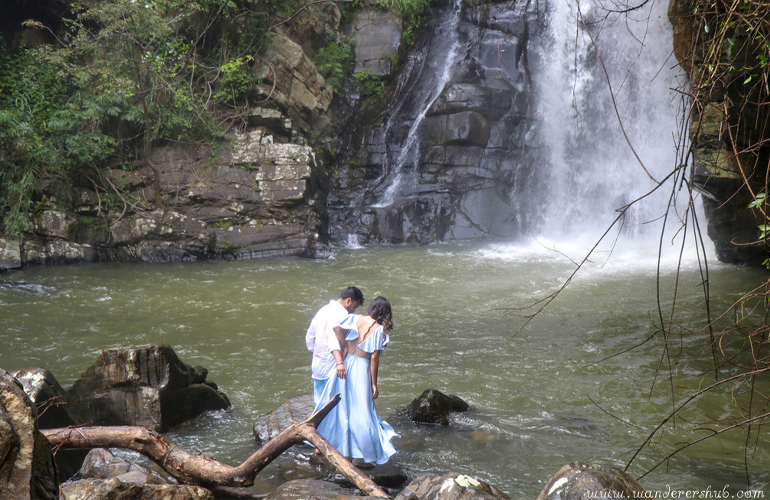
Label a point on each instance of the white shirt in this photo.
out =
(321, 340)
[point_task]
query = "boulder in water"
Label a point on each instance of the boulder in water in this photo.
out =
(579, 480)
(434, 407)
(450, 486)
(302, 489)
(145, 385)
(10, 254)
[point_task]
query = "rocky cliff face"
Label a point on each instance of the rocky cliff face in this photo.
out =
(426, 161)
(441, 160)
(729, 134)
(257, 196)
(253, 199)
(446, 152)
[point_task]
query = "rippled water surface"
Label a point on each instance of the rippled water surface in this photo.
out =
(538, 397)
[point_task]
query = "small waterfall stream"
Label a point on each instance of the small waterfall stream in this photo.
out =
(410, 150)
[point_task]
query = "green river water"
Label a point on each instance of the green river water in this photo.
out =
(538, 398)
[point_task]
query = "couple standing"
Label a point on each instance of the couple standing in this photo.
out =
(346, 355)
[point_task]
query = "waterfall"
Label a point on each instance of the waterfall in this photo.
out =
(410, 150)
(589, 169)
(503, 125)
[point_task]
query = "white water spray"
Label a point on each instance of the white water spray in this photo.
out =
(590, 171)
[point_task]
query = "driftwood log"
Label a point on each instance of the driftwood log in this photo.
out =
(203, 470)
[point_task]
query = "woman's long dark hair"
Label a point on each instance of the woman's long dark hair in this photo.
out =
(380, 310)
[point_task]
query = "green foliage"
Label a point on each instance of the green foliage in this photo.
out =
(412, 12)
(27, 94)
(335, 62)
(237, 81)
(404, 8)
(759, 201)
(373, 84)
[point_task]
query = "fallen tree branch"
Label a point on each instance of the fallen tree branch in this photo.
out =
(203, 470)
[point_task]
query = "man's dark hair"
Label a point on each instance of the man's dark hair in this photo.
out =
(354, 293)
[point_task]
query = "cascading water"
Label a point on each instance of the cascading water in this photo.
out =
(410, 150)
(503, 125)
(590, 171)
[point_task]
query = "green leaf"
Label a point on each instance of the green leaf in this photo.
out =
(758, 201)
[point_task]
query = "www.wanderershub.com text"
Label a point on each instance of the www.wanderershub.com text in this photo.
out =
(671, 493)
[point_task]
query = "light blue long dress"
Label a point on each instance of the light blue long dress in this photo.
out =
(353, 426)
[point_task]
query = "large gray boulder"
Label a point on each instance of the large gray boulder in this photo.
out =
(450, 486)
(44, 390)
(581, 481)
(145, 385)
(27, 467)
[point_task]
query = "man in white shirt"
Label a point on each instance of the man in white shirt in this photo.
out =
(320, 338)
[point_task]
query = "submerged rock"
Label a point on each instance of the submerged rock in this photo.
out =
(389, 475)
(145, 385)
(450, 486)
(302, 489)
(27, 467)
(434, 407)
(294, 410)
(578, 480)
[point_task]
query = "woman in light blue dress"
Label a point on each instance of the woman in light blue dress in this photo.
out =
(353, 426)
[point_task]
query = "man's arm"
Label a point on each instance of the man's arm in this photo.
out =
(310, 337)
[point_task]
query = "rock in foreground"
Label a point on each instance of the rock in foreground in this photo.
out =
(450, 486)
(26, 462)
(578, 480)
(145, 385)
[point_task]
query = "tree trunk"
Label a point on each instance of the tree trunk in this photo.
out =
(203, 470)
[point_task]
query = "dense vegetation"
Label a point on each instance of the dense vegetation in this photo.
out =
(123, 75)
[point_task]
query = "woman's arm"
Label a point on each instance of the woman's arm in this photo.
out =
(375, 366)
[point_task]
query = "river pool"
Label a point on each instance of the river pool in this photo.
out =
(539, 396)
